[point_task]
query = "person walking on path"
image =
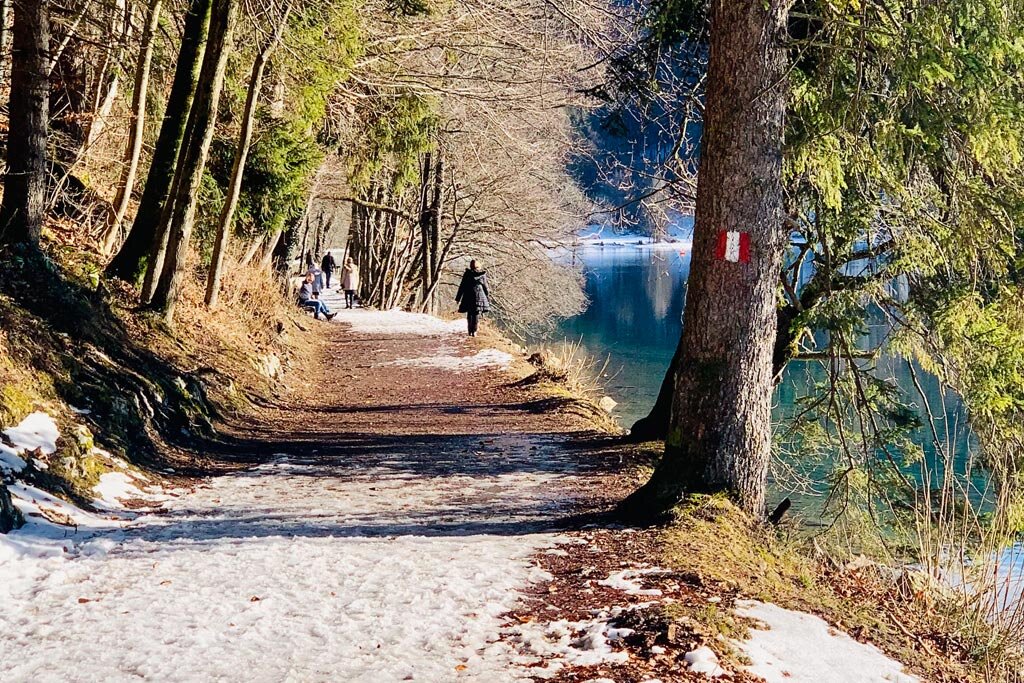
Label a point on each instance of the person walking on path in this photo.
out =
(473, 297)
(350, 281)
(318, 279)
(328, 265)
(307, 299)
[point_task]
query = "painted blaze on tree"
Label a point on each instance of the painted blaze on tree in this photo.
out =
(720, 430)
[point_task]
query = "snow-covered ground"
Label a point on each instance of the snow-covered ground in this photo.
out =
(635, 242)
(679, 237)
(391, 565)
(448, 358)
(375, 323)
(794, 647)
(304, 569)
(309, 568)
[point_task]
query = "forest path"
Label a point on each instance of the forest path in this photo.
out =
(395, 503)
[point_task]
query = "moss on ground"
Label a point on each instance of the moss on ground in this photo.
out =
(732, 557)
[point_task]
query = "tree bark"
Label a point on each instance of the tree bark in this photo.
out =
(426, 168)
(131, 260)
(24, 202)
(435, 232)
(178, 217)
(254, 247)
(655, 425)
(134, 149)
(10, 516)
(5, 14)
(227, 214)
(720, 429)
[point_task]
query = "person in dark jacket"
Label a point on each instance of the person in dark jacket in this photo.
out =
(328, 266)
(473, 297)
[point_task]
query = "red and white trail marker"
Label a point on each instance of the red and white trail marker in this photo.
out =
(733, 246)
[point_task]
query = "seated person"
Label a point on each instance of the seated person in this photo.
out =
(307, 299)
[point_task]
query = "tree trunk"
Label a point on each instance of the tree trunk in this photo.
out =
(71, 32)
(720, 428)
(10, 516)
(435, 232)
(279, 252)
(424, 227)
(254, 247)
(108, 78)
(131, 259)
(655, 425)
(179, 215)
(107, 90)
(5, 16)
(134, 149)
(227, 214)
(24, 202)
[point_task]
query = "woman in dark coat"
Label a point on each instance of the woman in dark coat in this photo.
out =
(473, 297)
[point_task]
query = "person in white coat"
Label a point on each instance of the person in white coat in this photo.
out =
(350, 281)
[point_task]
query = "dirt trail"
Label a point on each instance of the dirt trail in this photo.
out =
(389, 516)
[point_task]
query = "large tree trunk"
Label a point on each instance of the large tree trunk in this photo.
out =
(131, 260)
(655, 426)
(178, 217)
(227, 214)
(24, 202)
(720, 429)
(134, 149)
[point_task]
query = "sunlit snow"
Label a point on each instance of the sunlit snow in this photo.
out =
(794, 647)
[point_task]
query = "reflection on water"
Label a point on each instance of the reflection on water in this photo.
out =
(634, 319)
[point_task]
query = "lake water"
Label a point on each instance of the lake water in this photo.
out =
(634, 320)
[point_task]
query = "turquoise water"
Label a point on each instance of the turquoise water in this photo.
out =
(634, 320)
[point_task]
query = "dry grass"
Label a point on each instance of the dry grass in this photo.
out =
(254, 326)
(736, 558)
(583, 374)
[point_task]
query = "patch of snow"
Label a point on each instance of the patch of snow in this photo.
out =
(53, 526)
(579, 643)
(796, 647)
(634, 243)
(487, 358)
(10, 460)
(38, 430)
(116, 487)
(703, 660)
(626, 581)
(309, 568)
(394, 322)
(42, 537)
